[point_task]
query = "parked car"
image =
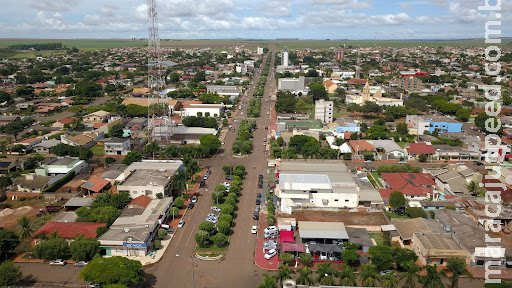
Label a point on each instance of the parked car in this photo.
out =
(257, 209)
(270, 254)
(260, 185)
(194, 199)
(94, 285)
(385, 272)
(229, 177)
(254, 229)
(215, 208)
(80, 263)
(255, 216)
(181, 223)
(260, 177)
(58, 262)
(258, 195)
(258, 201)
(271, 229)
(190, 205)
(270, 244)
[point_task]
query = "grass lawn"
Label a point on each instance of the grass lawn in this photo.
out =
(393, 215)
(211, 251)
(378, 237)
(98, 150)
(374, 179)
(35, 202)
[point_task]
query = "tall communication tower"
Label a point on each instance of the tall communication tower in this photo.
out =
(159, 123)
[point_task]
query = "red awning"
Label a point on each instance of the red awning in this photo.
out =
(292, 247)
(286, 236)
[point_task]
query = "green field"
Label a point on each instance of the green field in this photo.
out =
(87, 44)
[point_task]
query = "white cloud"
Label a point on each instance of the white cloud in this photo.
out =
(343, 4)
(53, 6)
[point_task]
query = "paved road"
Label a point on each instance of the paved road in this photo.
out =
(237, 268)
(51, 276)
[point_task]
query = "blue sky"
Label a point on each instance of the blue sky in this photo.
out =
(262, 19)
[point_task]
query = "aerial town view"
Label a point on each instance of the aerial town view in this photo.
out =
(258, 144)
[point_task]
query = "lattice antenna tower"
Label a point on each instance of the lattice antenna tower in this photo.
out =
(158, 110)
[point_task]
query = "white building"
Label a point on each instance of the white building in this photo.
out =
(62, 165)
(259, 51)
(117, 146)
(324, 111)
(291, 84)
(284, 58)
(149, 177)
(320, 185)
(206, 110)
(224, 90)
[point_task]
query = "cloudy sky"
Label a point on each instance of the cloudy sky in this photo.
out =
(262, 19)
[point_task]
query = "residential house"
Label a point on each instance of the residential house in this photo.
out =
(132, 234)
(149, 177)
(117, 146)
(414, 150)
(360, 148)
(78, 202)
(7, 119)
(360, 237)
(414, 186)
(31, 183)
(387, 149)
(330, 86)
(95, 117)
(95, 184)
(437, 248)
(86, 140)
(406, 229)
(45, 146)
(63, 165)
(455, 179)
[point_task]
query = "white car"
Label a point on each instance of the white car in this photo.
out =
(181, 223)
(254, 229)
(194, 199)
(270, 229)
(58, 262)
(270, 244)
(270, 254)
(80, 264)
(215, 208)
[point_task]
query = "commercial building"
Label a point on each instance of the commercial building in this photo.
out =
(224, 90)
(149, 177)
(284, 58)
(292, 84)
(133, 232)
(206, 110)
(437, 248)
(117, 146)
(63, 165)
(318, 185)
(182, 135)
(419, 124)
(324, 111)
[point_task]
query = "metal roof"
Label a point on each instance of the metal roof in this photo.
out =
(304, 182)
(322, 230)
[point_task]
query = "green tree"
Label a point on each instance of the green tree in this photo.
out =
(454, 269)
(422, 158)
(474, 188)
(209, 144)
(84, 249)
(306, 259)
(202, 238)
(283, 273)
(268, 282)
(8, 242)
(220, 239)
(317, 91)
(287, 258)
(432, 279)
(53, 248)
(118, 200)
(347, 276)
(132, 156)
(390, 280)
(403, 257)
(396, 200)
(382, 257)
(350, 256)
(305, 277)
(369, 276)
(116, 130)
(173, 212)
(10, 274)
(207, 226)
(109, 160)
(178, 202)
(410, 276)
(224, 227)
(401, 128)
(25, 229)
(114, 270)
(324, 270)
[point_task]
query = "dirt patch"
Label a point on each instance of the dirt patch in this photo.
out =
(9, 217)
(349, 218)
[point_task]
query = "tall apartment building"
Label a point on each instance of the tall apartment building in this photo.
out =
(284, 58)
(260, 51)
(324, 111)
(339, 55)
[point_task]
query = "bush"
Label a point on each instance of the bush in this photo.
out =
(220, 240)
(202, 238)
(306, 259)
(53, 248)
(207, 226)
(224, 227)
(157, 244)
(287, 258)
(9, 274)
(162, 233)
(84, 249)
(415, 212)
(114, 270)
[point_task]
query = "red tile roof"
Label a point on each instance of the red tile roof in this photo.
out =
(361, 146)
(70, 230)
(420, 148)
(142, 201)
(385, 193)
(95, 184)
(414, 184)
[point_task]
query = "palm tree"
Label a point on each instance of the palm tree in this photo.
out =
(268, 282)
(324, 270)
(473, 188)
(411, 275)
(347, 276)
(455, 268)
(369, 275)
(432, 279)
(305, 277)
(390, 281)
(25, 227)
(283, 273)
(328, 280)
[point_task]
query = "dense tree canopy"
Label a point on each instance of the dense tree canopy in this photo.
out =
(114, 270)
(84, 249)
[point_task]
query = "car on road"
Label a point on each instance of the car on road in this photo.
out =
(194, 199)
(181, 223)
(80, 264)
(254, 229)
(58, 262)
(226, 184)
(258, 195)
(260, 177)
(216, 209)
(94, 285)
(271, 253)
(258, 201)
(190, 205)
(270, 244)
(478, 163)
(255, 216)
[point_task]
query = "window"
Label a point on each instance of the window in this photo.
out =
(335, 200)
(346, 200)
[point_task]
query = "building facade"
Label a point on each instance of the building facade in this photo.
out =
(324, 111)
